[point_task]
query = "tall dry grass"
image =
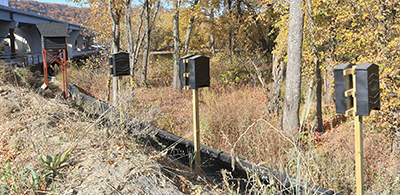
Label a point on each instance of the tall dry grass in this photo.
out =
(232, 119)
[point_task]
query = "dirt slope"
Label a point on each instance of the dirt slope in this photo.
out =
(103, 159)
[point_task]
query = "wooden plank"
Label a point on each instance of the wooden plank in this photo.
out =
(349, 71)
(350, 112)
(349, 93)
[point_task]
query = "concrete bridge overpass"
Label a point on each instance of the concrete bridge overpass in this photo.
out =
(21, 24)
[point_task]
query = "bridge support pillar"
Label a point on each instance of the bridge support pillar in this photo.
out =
(5, 29)
(33, 38)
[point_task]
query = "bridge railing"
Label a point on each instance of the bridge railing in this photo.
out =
(21, 59)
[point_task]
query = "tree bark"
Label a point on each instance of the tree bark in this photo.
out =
(189, 30)
(328, 84)
(320, 123)
(130, 41)
(176, 81)
(274, 99)
(290, 118)
(212, 42)
(317, 63)
(146, 42)
(115, 17)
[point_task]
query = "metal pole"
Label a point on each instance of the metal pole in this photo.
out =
(196, 130)
(46, 76)
(64, 67)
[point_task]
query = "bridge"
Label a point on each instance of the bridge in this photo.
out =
(23, 41)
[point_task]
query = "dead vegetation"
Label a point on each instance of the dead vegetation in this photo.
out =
(48, 146)
(233, 120)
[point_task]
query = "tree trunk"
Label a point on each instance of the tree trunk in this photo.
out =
(130, 41)
(212, 44)
(115, 28)
(176, 81)
(188, 31)
(320, 123)
(290, 118)
(274, 98)
(115, 46)
(328, 84)
(146, 42)
(317, 63)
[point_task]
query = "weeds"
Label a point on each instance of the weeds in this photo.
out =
(232, 119)
(51, 164)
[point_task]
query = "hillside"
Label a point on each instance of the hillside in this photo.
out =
(59, 11)
(38, 127)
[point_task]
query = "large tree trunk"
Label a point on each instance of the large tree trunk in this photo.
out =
(115, 45)
(146, 42)
(176, 81)
(115, 28)
(290, 119)
(130, 42)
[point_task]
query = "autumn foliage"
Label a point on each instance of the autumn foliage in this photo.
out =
(237, 33)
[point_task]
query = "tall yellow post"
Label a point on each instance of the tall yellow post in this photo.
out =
(358, 134)
(196, 130)
(359, 155)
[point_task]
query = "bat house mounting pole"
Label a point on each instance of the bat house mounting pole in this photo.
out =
(196, 130)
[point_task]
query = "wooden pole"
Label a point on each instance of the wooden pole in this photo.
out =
(115, 91)
(196, 130)
(120, 85)
(46, 75)
(359, 154)
(358, 134)
(64, 70)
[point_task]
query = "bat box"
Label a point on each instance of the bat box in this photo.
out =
(54, 35)
(184, 68)
(120, 62)
(340, 88)
(367, 85)
(199, 69)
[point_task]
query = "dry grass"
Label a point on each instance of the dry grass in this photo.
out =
(232, 119)
(103, 158)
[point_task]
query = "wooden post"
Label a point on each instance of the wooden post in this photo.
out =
(358, 134)
(115, 91)
(120, 85)
(64, 70)
(196, 130)
(359, 154)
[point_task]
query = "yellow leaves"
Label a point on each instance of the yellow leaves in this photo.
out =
(379, 16)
